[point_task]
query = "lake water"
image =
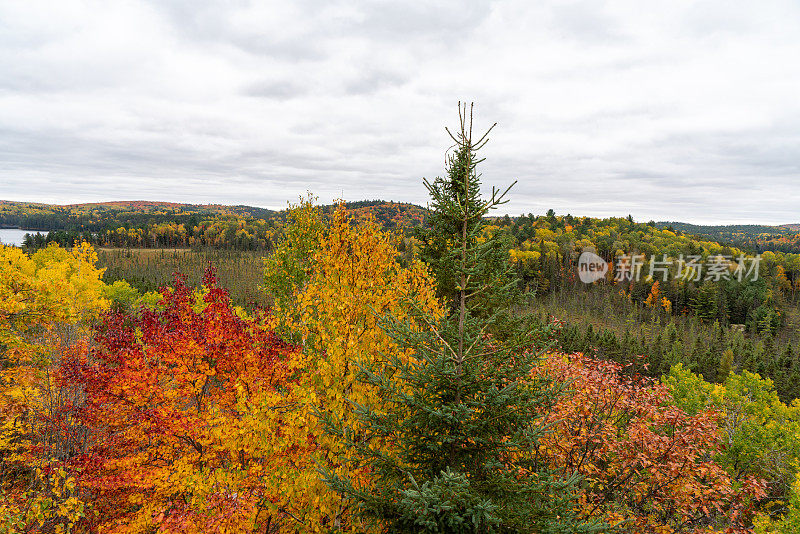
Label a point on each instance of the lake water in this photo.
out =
(14, 236)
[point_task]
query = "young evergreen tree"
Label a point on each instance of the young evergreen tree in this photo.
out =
(705, 302)
(725, 366)
(453, 446)
(450, 236)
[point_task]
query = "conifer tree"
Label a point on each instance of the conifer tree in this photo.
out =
(455, 225)
(725, 366)
(705, 302)
(462, 412)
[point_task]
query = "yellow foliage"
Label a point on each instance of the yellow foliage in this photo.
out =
(46, 300)
(524, 256)
(46, 303)
(354, 280)
(54, 504)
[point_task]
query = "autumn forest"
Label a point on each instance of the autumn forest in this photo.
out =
(378, 366)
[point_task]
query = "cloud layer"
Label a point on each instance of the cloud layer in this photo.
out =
(665, 110)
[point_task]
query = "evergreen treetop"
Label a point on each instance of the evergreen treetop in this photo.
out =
(454, 444)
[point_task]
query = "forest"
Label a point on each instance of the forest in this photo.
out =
(381, 367)
(168, 225)
(146, 224)
(757, 238)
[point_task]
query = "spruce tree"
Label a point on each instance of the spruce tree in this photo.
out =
(450, 236)
(453, 445)
(705, 302)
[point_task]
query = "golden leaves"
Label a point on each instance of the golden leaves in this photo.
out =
(47, 301)
(352, 280)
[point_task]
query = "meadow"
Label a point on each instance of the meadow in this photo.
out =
(239, 272)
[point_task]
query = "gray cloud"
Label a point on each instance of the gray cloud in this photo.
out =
(279, 90)
(663, 110)
(370, 81)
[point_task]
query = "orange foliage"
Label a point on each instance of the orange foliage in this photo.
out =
(653, 298)
(646, 464)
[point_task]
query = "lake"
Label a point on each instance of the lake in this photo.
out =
(14, 236)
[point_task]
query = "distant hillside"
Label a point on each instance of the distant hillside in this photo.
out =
(107, 216)
(99, 216)
(149, 223)
(149, 206)
(729, 229)
(129, 205)
(751, 237)
(391, 215)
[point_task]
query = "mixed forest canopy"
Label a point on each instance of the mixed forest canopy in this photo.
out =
(758, 238)
(148, 224)
(381, 367)
(143, 224)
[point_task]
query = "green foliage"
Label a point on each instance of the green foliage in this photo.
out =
(690, 392)
(705, 302)
(456, 224)
(287, 269)
(464, 414)
(121, 295)
(151, 300)
(469, 432)
(762, 434)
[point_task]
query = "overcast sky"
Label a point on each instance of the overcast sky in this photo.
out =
(679, 110)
